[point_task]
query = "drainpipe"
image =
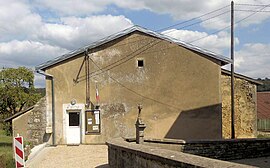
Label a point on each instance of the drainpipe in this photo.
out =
(50, 77)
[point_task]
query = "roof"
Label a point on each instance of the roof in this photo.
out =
(18, 114)
(237, 75)
(263, 105)
(224, 60)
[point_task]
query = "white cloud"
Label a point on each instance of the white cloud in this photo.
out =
(76, 32)
(17, 20)
(216, 42)
(178, 9)
(27, 53)
(253, 60)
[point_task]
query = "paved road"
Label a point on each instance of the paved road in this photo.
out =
(62, 156)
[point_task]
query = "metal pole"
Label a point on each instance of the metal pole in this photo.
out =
(232, 71)
(53, 112)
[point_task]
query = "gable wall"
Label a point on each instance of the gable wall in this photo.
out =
(179, 90)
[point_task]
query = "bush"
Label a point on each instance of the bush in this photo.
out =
(7, 127)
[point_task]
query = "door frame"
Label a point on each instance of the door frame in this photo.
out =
(73, 108)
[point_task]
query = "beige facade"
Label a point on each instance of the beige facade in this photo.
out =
(178, 88)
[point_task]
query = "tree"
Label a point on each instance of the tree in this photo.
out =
(17, 90)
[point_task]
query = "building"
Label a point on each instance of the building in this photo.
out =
(245, 105)
(178, 84)
(263, 111)
(31, 124)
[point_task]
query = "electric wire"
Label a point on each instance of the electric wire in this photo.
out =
(128, 57)
(134, 92)
(229, 25)
(116, 62)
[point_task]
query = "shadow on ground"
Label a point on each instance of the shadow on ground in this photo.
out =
(103, 166)
(263, 162)
(5, 144)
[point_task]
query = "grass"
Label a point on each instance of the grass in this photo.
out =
(6, 152)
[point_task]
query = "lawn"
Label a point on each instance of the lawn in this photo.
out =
(6, 152)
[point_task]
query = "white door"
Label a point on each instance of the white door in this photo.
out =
(73, 128)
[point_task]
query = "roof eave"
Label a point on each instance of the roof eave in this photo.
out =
(46, 65)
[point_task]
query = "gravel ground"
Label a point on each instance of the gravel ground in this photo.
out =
(88, 156)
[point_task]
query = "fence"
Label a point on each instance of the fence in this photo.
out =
(263, 124)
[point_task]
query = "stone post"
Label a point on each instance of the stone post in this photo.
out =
(140, 126)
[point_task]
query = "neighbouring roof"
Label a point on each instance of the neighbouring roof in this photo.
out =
(263, 105)
(224, 60)
(18, 114)
(237, 75)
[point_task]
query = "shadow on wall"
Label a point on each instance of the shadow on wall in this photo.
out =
(200, 123)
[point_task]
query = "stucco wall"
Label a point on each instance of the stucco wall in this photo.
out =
(245, 108)
(179, 90)
(20, 125)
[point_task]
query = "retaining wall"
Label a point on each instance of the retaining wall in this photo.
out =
(129, 154)
(225, 149)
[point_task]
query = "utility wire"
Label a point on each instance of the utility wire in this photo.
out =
(192, 19)
(229, 25)
(128, 57)
(265, 5)
(116, 62)
(138, 94)
(242, 10)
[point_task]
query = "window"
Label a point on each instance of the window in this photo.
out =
(74, 119)
(140, 63)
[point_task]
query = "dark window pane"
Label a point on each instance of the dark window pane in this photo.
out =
(140, 63)
(74, 119)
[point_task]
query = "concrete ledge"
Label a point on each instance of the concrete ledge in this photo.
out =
(125, 154)
(35, 151)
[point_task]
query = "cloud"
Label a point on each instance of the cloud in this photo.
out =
(17, 20)
(216, 42)
(74, 32)
(253, 60)
(178, 9)
(27, 53)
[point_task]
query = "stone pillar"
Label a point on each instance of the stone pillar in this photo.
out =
(140, 126)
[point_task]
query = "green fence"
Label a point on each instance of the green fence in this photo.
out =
(263, 124)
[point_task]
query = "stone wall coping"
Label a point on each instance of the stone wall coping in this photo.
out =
(243, 140)
(205, 141)
(167, 156)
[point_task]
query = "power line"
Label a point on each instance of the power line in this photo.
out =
(151, 46)
(192, 19)
(201, 21)
(138, 94)
(229, 25)
(265, 5)
(242, 10)
(128, 57)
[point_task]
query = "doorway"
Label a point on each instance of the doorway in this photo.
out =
(74, 127)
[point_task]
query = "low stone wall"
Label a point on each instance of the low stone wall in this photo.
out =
(130, 154)
(229, 149)
(226, 149)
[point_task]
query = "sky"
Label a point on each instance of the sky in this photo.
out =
(35, 31)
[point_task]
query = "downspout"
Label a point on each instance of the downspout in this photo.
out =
(50, 77)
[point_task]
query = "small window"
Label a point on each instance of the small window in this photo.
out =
(74, 119)
(140, 63)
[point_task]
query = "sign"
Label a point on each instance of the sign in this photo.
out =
(19, 152)
(89, 121)
(97, 116)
